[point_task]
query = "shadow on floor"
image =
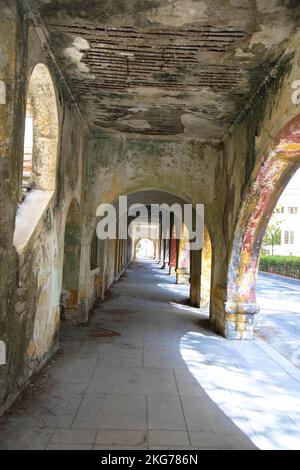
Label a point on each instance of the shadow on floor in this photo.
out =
(145, 373)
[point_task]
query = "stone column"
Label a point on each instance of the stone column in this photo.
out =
(162, 253)
(206, 269)
(231, 316)
(195, 278)
(160, 245)
(240, 319)
(183, 258)
(166, 253)
(117, 252)
(173, 253)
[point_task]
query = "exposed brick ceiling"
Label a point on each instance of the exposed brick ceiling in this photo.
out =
(167, 67)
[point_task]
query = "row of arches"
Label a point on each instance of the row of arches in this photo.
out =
(268, 180)
(240, 276)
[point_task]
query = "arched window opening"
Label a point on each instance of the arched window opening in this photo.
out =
(41, 134)
(28, 149)
(37, 171)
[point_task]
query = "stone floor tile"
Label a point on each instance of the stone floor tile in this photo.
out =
(73, 436)
(165, 413)
(14, 437)
(112, 411)
(121, 437)
(168, 438)
(132, 381)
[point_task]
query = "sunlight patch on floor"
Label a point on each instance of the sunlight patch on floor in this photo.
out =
(261, 399)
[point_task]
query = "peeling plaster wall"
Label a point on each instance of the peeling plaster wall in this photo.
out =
(32, 278)
(200, 59)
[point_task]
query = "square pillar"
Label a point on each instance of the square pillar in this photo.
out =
(183, 258)
(195, 278)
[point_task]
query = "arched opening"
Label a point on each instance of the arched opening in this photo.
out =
(37, 171)
(173, 252)
(71, 267)
(28, 150)
(144, 249)
(278, 280)
(282, 237)
(267, 183)
(206, 265)
(41, 133)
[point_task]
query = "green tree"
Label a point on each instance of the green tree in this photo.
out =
(273, 233)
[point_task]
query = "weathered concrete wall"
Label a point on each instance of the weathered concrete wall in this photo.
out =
(32, 278)
(11, 50)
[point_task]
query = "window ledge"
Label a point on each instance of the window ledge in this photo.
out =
(28, 216)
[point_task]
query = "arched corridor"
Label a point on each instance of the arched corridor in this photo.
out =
(147, 372)
(143, 147)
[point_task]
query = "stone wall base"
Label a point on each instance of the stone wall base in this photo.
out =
(172, 270)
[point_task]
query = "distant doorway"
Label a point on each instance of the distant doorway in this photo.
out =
(144, 249)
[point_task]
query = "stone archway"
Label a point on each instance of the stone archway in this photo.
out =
(267, 183)
(71, 265)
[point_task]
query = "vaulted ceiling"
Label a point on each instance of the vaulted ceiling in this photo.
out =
(166, 67)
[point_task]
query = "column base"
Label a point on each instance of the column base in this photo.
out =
(182, 276)
(172, 270)
(240, 320)
(195, 291)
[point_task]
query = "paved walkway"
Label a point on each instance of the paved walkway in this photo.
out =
(148, 373)
(279, 318)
